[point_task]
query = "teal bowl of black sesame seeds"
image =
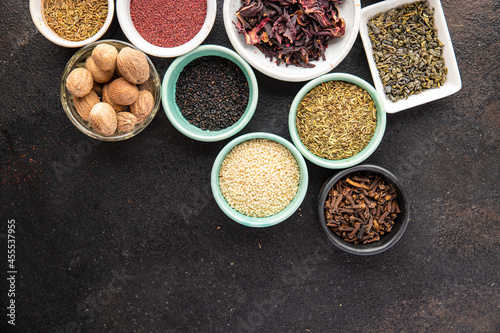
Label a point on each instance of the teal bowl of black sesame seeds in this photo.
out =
(210, 93)
(259, 179)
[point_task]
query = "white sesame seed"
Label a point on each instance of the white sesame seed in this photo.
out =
(259, 177)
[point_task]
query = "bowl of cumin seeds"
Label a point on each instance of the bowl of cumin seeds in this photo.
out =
(72, 24)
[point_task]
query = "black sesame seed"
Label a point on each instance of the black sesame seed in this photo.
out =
(212, 93)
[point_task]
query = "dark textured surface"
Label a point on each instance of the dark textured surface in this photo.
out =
(126, 237)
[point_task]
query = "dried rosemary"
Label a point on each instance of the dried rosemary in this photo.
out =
(336, 120)
(75, 20)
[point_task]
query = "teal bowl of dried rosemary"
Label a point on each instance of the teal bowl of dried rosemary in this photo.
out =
(337, 120)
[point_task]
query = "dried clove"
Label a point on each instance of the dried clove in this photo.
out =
(361, 208)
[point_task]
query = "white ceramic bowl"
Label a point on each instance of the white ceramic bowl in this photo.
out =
(37, 17)
(453, 82)
(337, 50)
(128, 28)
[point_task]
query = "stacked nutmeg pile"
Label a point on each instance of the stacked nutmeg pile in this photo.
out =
(114, 92)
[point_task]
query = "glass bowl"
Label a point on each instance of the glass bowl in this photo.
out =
(362, 155)
(128, 28)
(259, 222)
(386, 241)
(77, 61)
(47, 32)
(175, 116)
(337, 50)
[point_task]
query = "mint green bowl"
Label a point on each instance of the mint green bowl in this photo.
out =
(362, 155)
(259, 222)
(169, 87)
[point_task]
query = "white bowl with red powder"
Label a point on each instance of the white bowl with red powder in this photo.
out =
(166, 28)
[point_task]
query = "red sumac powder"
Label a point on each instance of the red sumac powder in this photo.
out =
(168, 23)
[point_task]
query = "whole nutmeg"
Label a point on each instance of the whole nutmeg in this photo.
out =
(118, 73)
(84, 104)
(143, 106)
(102, 118)
(125, 122)
(104, 56)
(149, 85)
(79, 82)
(98, 74)
(97, 87)
(123, 92)
(133, 65)
(107, 99)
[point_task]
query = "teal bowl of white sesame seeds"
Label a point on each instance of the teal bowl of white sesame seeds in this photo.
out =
(259, 179)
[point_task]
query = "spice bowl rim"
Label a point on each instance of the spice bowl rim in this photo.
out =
(374, 141)
(77, 61)
(387, 241)
(168, 94)
(293, 73)
(453, 81)
(36, 13)
(128, 28)
(259, 222)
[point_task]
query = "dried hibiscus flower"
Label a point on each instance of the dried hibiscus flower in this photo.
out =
(294, 32)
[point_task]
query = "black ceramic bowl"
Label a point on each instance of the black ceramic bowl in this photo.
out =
(386, 241)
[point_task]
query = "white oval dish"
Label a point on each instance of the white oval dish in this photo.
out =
(125, 21)
(337, 50)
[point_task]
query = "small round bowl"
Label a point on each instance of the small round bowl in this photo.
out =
(268, 221)
(37, 17)
(386, 241)
(169, 88)
(128, 28)
(362, 155)
(337, 50)
(78, 60)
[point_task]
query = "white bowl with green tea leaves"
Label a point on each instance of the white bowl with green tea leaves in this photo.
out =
(337, 120)
(72, 24)
(414, 65)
